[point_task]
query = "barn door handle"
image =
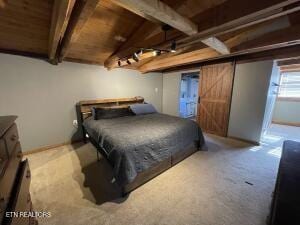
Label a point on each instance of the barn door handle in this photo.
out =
(199, 99)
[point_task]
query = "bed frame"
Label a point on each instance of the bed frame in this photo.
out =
(84, 110)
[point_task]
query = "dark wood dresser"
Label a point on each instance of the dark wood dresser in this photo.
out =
(14, 176)
(285, 208)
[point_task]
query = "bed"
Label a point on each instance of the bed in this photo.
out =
(138, 147)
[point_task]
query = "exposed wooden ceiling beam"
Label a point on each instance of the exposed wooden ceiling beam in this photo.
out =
(287, 36)
(272, 54)
(216, 44)
(161, 12)
(60, 15)
(269, 41)
(290, 68)
(82, 11)
(251, 17)
(236, 39)
(187, 8)
(149, 30)
(136, 11)
(278, 10)
(288, 62)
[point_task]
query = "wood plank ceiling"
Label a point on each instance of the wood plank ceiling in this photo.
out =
(104, 31)
(25, 25)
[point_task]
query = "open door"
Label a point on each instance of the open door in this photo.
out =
(215, 91)
(272, 95)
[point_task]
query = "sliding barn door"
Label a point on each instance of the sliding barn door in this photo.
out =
(215, 90)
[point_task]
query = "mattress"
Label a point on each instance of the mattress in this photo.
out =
(133, 144)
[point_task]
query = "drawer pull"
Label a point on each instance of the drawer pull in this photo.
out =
(13, 137)
(28, 174)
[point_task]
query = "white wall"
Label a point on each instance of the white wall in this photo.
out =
(171, 93)
(250, 90)
(44, 96)
(287, 112)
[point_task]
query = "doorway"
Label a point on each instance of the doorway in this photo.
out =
(283, 122)
(188, 95)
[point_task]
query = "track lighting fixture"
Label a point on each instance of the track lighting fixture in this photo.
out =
(135, 57)
(155, 51)
(173, 46)
(139, 52)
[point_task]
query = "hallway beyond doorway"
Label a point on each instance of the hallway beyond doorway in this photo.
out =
(188, 95)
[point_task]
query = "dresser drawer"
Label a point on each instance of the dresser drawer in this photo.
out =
(22, 201)
(11, 138)
(8, 178)
(3, 156)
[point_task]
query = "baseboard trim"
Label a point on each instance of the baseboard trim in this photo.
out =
(48, 147)
(245, 140)
(286, 123)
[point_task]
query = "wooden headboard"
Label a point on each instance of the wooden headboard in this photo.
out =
(84, 108)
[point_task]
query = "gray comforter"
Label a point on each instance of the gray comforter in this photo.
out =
(135, 143)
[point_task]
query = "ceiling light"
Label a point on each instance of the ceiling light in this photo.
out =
(156, 52)
(173, 46)
(135, 57)
(139, 52)
(128, 62)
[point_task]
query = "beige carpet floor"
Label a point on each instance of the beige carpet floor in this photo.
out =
(230, 184)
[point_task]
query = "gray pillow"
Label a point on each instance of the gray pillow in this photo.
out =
(141, 109)
(110, 113)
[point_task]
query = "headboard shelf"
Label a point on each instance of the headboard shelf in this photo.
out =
(113, 101)
(84, 108)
